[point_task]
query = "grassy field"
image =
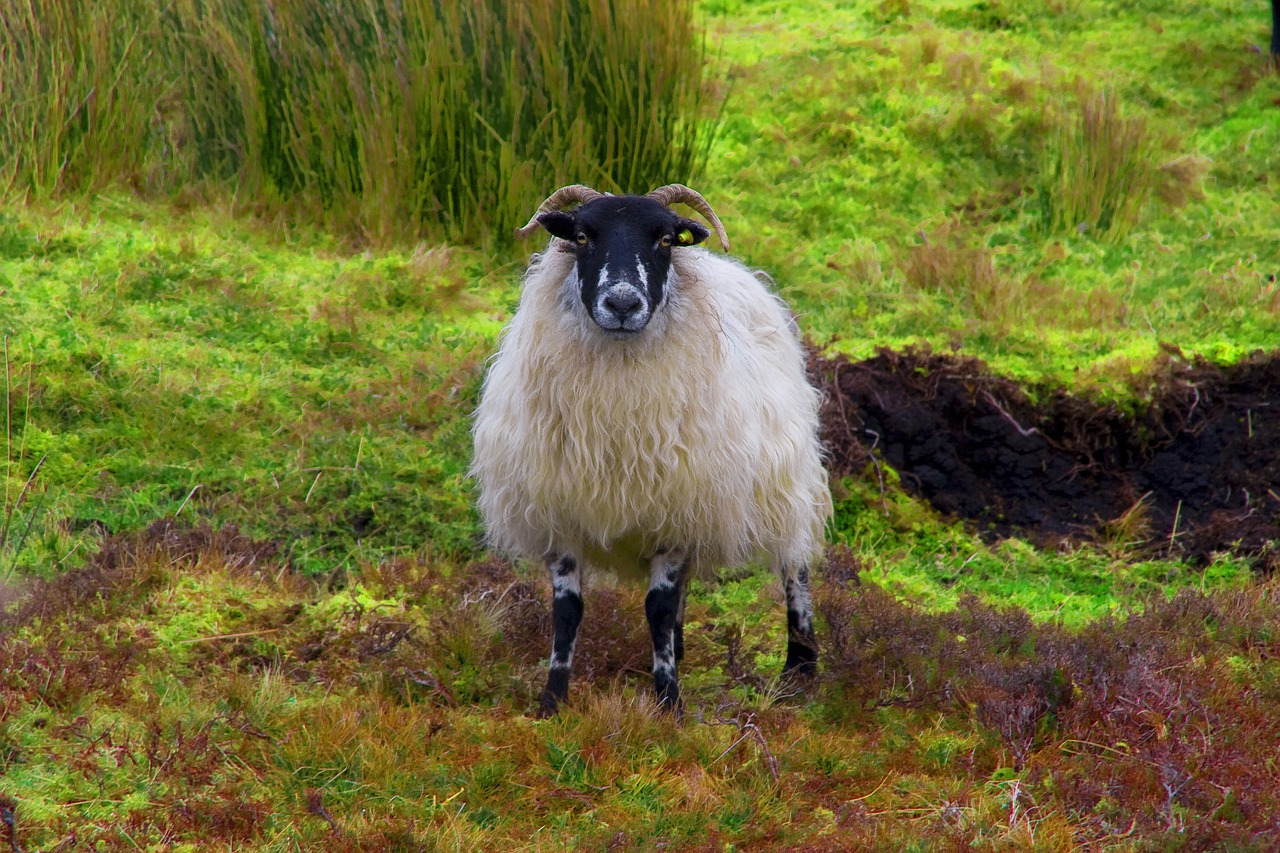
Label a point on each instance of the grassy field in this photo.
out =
(246, 607)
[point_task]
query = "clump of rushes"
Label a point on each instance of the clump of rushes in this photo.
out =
(1100, 169)
(391, 120)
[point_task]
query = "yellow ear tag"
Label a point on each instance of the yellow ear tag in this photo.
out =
(685, 237)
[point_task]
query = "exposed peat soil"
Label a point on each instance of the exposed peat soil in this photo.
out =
(1193, 471)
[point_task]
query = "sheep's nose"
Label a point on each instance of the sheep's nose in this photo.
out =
(622, 304)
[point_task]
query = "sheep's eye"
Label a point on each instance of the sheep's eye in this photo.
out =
(581, 238)
(665, 240)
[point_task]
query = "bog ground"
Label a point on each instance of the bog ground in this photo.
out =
(1192, 472)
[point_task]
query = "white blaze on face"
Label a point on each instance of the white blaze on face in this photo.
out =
(622, 305)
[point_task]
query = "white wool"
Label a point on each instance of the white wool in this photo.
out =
(700, 434)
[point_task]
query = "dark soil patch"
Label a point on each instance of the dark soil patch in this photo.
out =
(1196, 470)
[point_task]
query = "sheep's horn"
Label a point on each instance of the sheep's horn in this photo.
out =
(672, 193)
(565, 195)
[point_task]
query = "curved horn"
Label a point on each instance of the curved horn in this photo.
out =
(580, 193)
(672, 193)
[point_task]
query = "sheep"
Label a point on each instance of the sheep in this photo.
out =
(648, 412)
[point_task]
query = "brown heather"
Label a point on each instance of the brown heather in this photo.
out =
(1156, 724)
(388, 727)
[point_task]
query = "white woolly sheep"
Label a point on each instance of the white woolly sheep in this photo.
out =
(648, 411)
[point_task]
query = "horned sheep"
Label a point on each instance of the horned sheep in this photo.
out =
(648, 412)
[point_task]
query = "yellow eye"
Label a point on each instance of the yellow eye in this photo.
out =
(665, 240)
(582, 239)
(685, 237)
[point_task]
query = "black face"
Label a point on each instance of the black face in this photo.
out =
(623, 244)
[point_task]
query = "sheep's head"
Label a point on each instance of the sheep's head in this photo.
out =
(623, 246)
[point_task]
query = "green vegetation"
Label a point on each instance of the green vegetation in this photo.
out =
(898, 170)
(384, 120)
(307, 395)
(245, 314)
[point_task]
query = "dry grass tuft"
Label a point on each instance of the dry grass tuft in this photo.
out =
(969, 275)
(1181, 181)
(1126, 535)
(942, 268)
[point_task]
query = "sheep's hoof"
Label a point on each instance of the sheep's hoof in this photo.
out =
(802, 660)
(555, 694)
(548, 705)
(669, 702)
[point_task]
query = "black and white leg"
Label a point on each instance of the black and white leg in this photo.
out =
(662, 607)
(679, 634)
(566, 616)
(802, 645)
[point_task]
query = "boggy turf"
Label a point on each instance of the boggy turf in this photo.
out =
(1197, 467)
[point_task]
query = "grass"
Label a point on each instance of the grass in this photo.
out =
(384, 121)
(264, 711)
(1100, 170)
(245, 604)
(864, 147)
(248, 372)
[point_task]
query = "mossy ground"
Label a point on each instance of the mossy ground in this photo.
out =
(350, 671)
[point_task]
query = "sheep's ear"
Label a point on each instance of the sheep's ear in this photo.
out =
(690, 233)
(559, 223)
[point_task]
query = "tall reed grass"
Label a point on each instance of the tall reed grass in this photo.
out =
(1099, 170)
(391, 118)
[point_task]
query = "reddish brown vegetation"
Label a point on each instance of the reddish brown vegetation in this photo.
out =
(1158, 726)
(1201, 459)
(1161, 723)
(613, 640)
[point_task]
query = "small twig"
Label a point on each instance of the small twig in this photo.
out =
(253, 731)
(314, 482)
(227, 636)
(873, 790)
(315, 805)
(35, 510)
(4, 529)
(1072, 746)
(1023, 431)
(1177, 514)
(65, 556)
(187, 498)
(871, 454)
(1014, 789)
(749, 730)
(8, 425)
(423, 678)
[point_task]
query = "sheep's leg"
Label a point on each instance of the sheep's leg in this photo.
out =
(566, 616)
(802, 645)
(667, 575)
(679, 631)
(1275, 32)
